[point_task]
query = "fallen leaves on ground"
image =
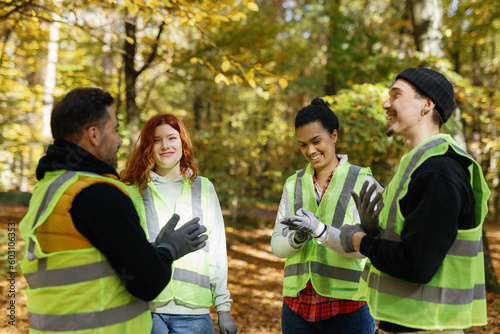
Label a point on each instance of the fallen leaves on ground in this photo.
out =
(255, 280)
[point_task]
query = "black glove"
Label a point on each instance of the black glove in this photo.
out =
(184, 240)
(366, 209)
(226, 324)
(346, 232)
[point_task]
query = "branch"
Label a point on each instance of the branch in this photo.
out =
(16, 8)
(155, 49)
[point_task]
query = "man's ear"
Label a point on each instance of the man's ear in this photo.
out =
(93, 134)
(428, 105)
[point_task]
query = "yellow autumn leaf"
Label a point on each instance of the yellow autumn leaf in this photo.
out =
(253, 6)
(226, 65)
(252, 83)
(283, 83)
(237, 79)
(130, 40)
(193, 60)
(238, 16)
(221, 77)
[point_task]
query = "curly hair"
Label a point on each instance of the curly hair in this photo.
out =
(141, 161)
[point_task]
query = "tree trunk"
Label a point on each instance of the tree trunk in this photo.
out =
(50, 75)
(333, 10)
(131, 74)
(427, 18)
(132, 112)
(197, 112)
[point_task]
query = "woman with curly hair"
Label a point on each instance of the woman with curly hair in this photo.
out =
(165, 180)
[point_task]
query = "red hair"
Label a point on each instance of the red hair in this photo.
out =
(142, 161)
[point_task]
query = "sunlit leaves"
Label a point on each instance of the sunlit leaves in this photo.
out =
(226, 65)
(252, 6)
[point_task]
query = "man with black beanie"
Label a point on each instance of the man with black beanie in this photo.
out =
(425, 270)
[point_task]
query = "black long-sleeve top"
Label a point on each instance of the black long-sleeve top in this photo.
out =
(108, 219)
(440, 200)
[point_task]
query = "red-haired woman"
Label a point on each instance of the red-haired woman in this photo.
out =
(164, 177)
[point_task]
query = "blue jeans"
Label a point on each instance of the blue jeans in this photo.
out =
(182, 324)
(357, 322)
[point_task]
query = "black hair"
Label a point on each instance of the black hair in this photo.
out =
(77, 110)
(317, 111)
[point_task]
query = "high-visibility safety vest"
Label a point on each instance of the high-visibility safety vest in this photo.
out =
(190, 281)
(331, 274)
(455, 298)
(72, 286)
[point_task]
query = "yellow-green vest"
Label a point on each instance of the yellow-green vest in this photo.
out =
(455, 298)
(331, 274)
(190, 281)
(74, 288)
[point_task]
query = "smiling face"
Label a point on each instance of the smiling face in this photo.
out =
(317, 145)
(403, 109)
(167, 150)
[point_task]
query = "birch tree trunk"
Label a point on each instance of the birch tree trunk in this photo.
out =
(427, 18)
(50, 74)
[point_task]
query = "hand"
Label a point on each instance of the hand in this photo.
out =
(226, 324)
(304, 221)
(366, 208)
(346, 232)
(184, 240)
(299, 236)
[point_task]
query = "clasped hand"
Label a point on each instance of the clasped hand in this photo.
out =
(304, 221)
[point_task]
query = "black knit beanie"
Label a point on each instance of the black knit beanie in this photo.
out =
(433, 85)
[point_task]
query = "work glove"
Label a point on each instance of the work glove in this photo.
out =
(226, 324)
(346, 232)
(305, 221)
(366, 208)
(184, 240)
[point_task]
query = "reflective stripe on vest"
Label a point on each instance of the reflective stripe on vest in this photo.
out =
(151, 216)
(43, 278)
(431, 294)
(324, 270)
(192, 277)
(87, 320)
(389, 233)
(47, 198)
(344, 198)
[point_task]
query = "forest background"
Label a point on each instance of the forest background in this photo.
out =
(237, 72)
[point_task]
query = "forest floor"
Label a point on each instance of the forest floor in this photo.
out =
(255, 275)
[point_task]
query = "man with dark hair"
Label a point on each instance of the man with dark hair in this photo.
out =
(425, 268)
(88, 263)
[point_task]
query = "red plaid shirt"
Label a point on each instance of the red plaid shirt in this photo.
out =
(309, 304)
